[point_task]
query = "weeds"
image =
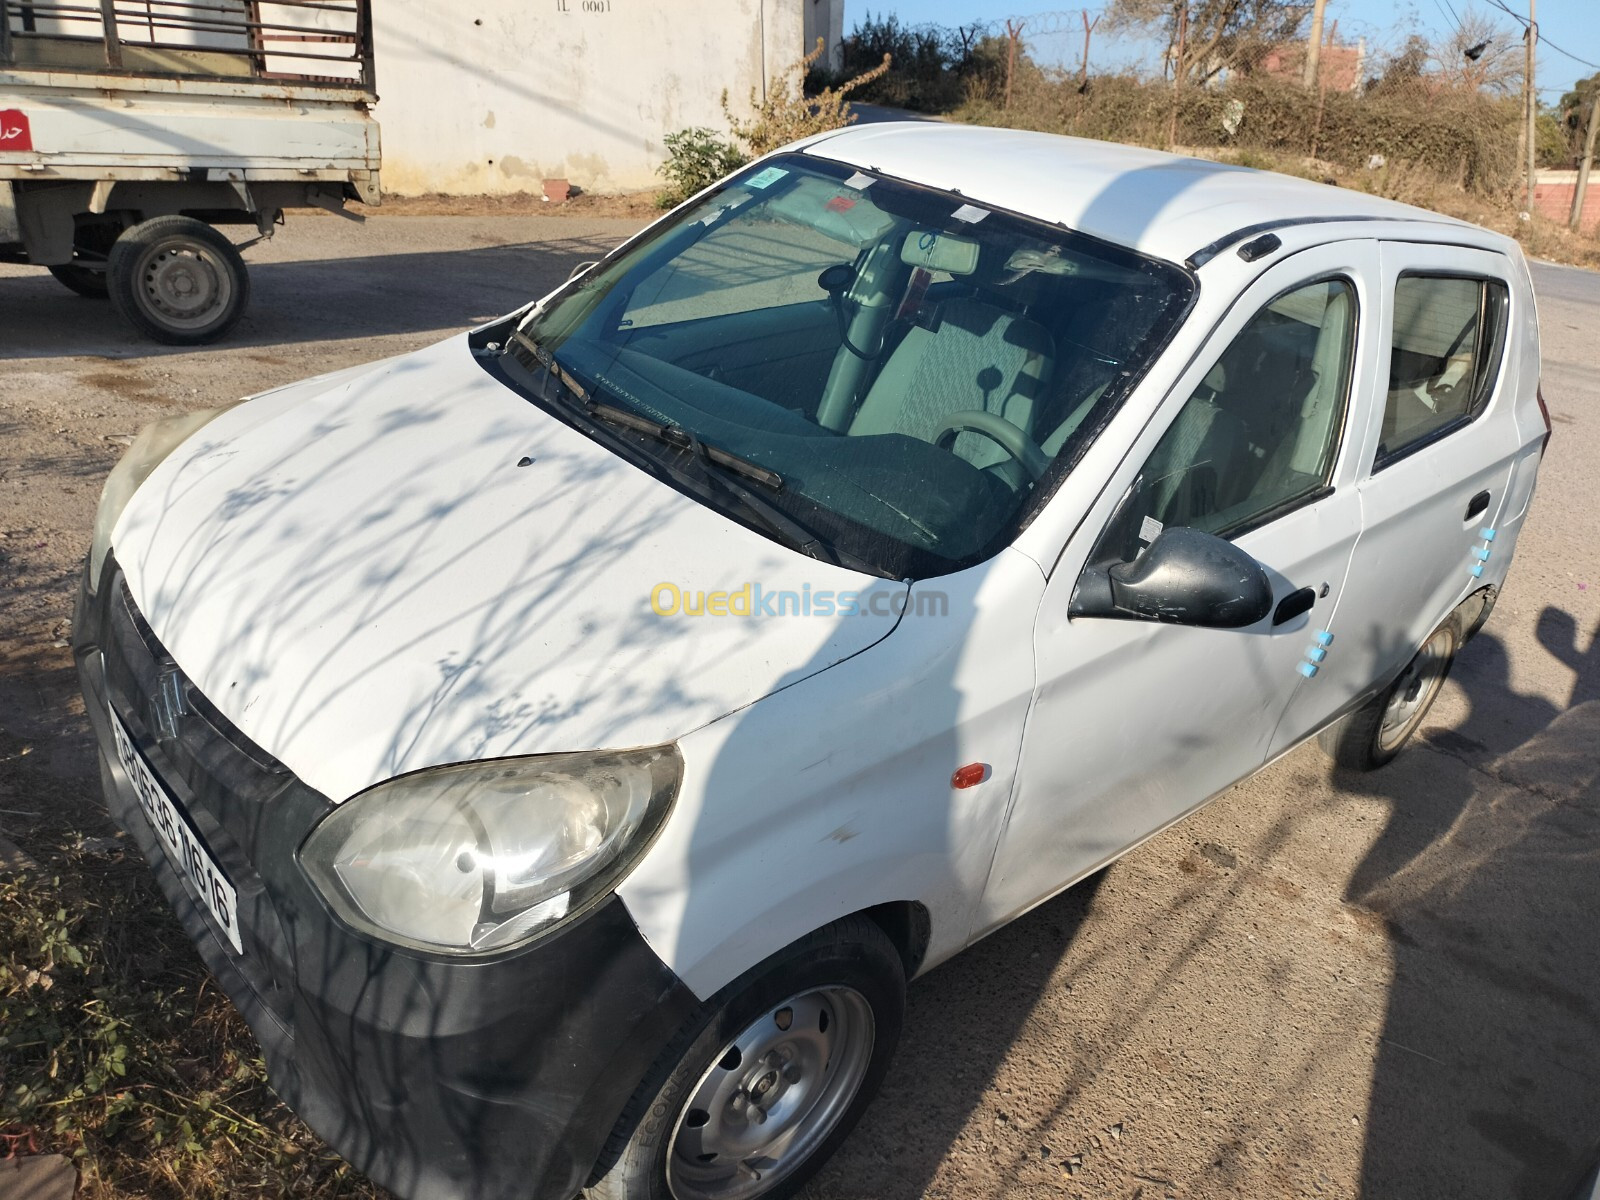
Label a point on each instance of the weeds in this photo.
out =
(117, 1049)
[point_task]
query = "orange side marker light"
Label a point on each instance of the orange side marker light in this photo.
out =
(970, 775)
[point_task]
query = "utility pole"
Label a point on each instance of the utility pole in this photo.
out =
(1314, 47)
(1530, 100)
(1088, 28)
(1576, 221)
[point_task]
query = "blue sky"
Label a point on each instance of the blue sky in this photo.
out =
(1574, 25)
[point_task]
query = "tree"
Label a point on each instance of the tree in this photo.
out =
(1573, 114)
(1403, 69)
(1481, 55)
(1221, 35)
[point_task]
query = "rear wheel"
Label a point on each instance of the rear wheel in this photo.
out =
(86, 281)
(754, 1097)
(178, 280)
(1372, 735)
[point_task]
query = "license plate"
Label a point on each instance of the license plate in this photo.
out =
(183, 845)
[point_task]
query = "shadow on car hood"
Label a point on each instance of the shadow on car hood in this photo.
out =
(360, 576)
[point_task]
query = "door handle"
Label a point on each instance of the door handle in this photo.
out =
(1478, 504)
(1292, 605)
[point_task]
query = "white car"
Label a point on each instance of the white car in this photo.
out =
(565, 742)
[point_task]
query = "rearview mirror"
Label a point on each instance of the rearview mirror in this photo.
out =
(1184, 577)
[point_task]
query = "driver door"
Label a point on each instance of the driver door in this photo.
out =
(1135, 723)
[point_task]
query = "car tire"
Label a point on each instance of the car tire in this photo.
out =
(791, 1052)
(1373, 734)
(178, 280)
(86, 281)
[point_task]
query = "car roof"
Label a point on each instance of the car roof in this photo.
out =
(1162, 204)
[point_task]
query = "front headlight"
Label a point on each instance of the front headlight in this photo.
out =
(481, 856)
(145, 454)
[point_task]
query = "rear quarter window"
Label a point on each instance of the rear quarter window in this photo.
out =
(1448, 342)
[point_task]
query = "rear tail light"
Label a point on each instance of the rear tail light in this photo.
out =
(1544, 411)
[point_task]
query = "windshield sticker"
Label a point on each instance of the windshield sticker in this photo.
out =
(1150, 529)
(970, 213)
(859, 182)
(765, 179)
(840, 204)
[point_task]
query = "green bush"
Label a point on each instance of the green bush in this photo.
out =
(696, 158)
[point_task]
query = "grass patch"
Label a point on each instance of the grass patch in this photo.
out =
(117, 1048)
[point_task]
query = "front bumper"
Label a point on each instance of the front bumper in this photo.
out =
(441, 1079)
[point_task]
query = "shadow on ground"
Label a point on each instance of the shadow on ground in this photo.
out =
(1487, 1080)
(310, 300)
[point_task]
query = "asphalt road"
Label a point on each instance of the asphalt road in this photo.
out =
(1322, 985)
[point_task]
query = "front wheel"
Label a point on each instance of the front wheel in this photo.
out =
(1372, 735)
(756, 1095)
(178, 280)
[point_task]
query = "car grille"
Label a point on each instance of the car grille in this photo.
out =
(227, 784)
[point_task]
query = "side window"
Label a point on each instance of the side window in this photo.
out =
(1260, 433)
(1449, 333)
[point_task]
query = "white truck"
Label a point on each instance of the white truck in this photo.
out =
(130, 130)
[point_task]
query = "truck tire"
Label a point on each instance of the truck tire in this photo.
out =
(86, 281)
(178, 280)
(1373, 734)
(754, 1095)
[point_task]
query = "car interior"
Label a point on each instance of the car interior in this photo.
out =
(913, 369)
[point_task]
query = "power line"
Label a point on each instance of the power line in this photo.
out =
(1523, 21)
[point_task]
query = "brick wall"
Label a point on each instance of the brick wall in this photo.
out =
(1552, 197)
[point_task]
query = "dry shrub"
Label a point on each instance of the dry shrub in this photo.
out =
(1464, 139)
(788, 114)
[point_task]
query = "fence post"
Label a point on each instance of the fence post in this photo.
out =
(1013, 32)
(1088, 28)
(1576, 221)
(1177, 72)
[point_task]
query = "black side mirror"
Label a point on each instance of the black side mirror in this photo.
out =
(1184, 577)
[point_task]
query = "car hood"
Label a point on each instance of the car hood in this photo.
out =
(359, 574)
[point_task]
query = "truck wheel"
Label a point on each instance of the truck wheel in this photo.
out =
(178, 280)
(86, 281)
(754, 1096)
(1374, 733)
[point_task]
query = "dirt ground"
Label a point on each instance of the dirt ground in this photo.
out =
(1324, 984)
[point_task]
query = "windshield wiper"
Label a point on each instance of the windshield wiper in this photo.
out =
(550, 363)
(677, 435)
(777, 521)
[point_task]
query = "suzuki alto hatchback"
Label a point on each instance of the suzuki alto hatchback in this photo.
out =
(564, 743)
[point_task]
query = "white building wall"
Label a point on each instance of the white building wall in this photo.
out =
(825, 19)
(495, 96)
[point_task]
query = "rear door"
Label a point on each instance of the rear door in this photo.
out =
(1435, 454)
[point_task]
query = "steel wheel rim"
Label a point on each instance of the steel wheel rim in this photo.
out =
(183, 284)
(773, 1095)
(1414, 691)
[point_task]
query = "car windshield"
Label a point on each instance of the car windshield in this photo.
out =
(919, 372)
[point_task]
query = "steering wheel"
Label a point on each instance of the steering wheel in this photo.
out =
(998, 430)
